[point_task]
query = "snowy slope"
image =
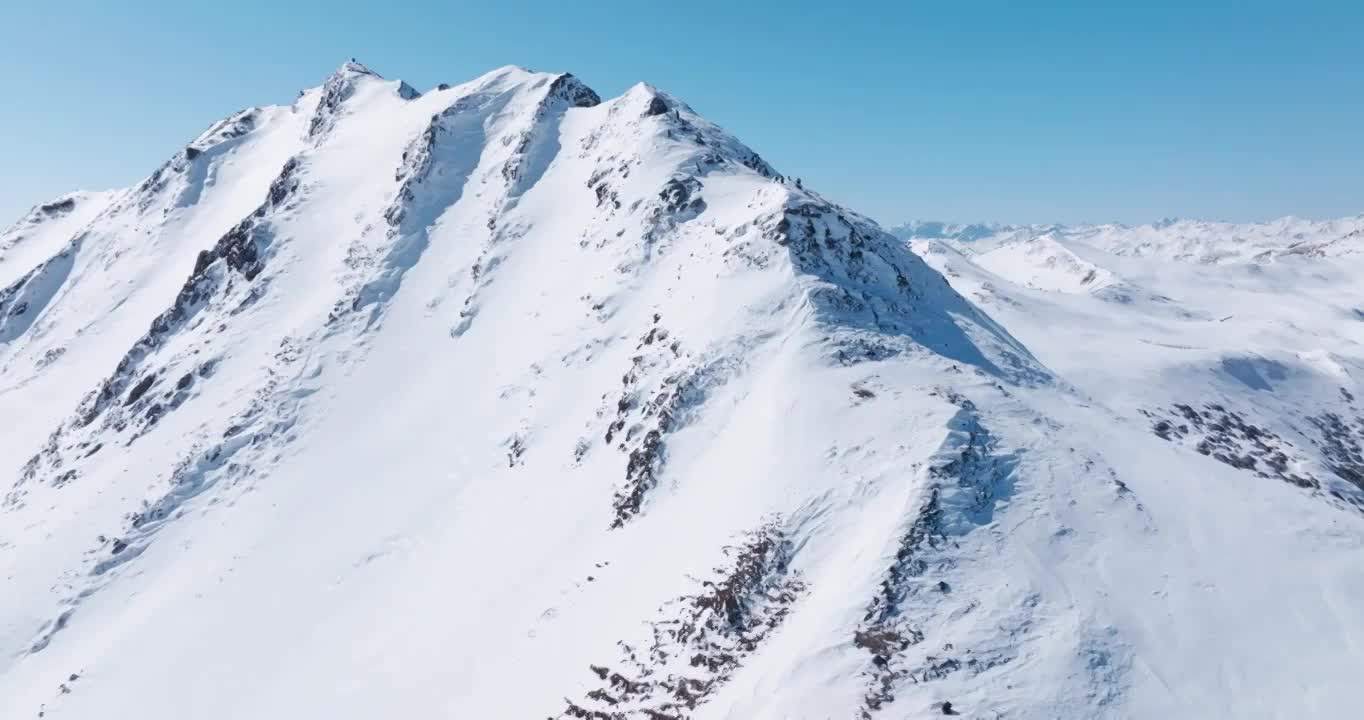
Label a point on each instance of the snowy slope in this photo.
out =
(1250, 371)
(1045, 264)
(1251, 362)
(505, 400)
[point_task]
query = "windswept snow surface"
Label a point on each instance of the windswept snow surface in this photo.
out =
(504, 400)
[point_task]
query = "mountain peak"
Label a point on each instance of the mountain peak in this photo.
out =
(517, 403)
(512, 69)
(353, 67)
(650, 100)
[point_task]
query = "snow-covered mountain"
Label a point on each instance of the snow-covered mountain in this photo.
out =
(1198, 241)
(504, 400)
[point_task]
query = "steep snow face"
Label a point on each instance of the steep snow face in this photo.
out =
(111, 268)
(509, 401)
(44, 231)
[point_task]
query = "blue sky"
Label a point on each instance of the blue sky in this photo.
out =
(1006, 111)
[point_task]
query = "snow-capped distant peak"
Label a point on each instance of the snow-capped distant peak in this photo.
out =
(1197, 241)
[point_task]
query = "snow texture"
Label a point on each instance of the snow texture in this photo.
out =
(507, 400)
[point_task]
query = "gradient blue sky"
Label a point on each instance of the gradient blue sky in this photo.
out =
(955, 110)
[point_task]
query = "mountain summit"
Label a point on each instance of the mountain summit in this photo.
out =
(505, 400)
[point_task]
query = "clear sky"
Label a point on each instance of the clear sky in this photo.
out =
(952, 109)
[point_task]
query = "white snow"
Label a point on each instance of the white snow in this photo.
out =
(1044, 264)
(1198, 241)
(504, 401)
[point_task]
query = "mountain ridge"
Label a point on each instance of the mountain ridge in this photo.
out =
(517, 401)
